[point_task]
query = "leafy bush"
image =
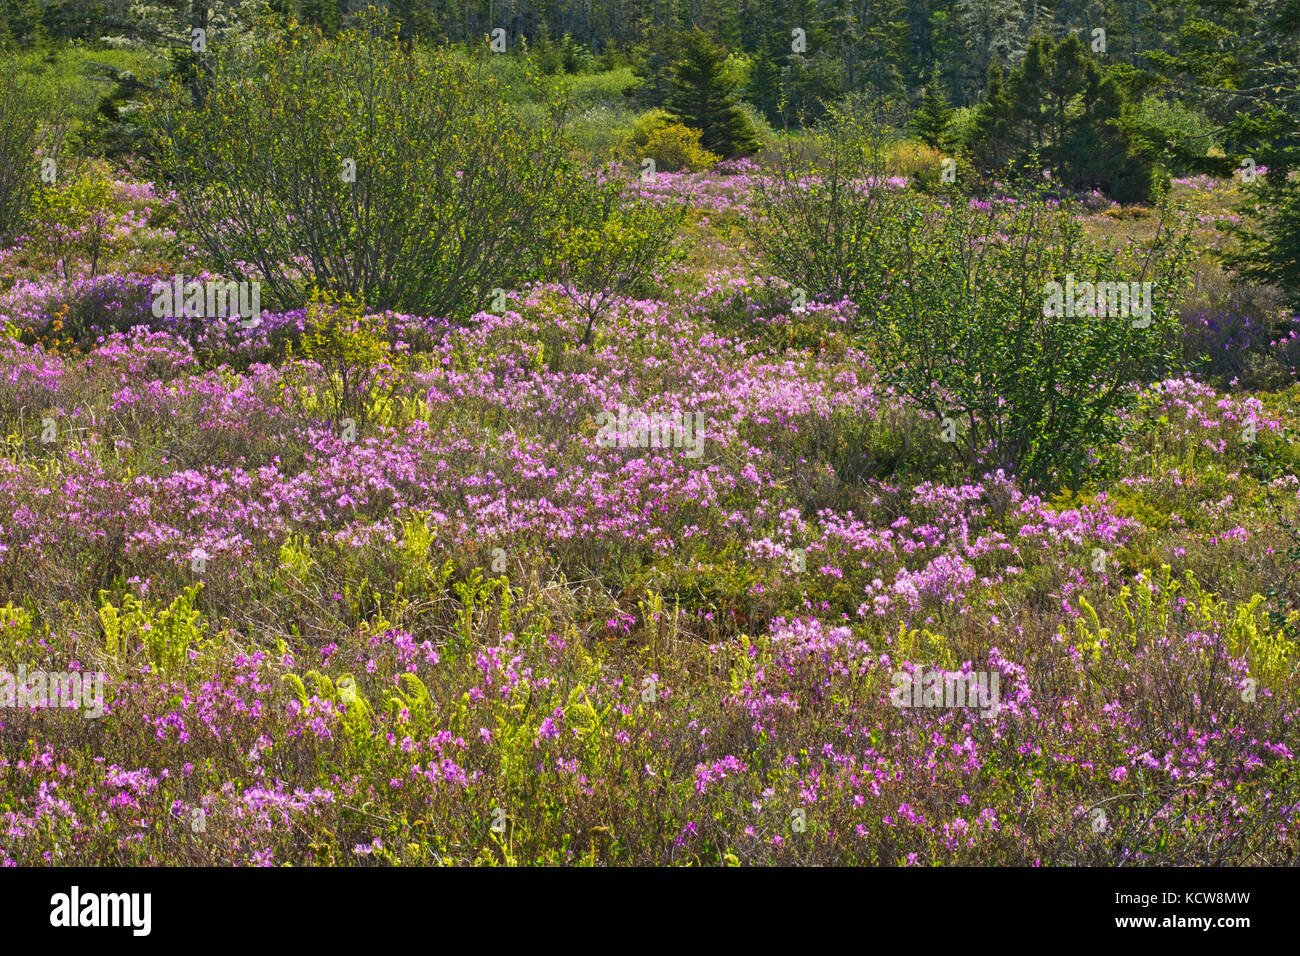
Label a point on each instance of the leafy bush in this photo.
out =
(356, 368)
(914, 158)
(962, 329)
(953, 298)
(23, 138)
(964, 123)
(451, 189)
(672, 146)
(820, 219)
(1157, 123)
(598, 131)
(643, 125)
(585, 91)
(74, 219)
(605, 244)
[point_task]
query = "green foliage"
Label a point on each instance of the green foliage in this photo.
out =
(933, 120)
(1234, 60)
(1057, 110)
(19, 632)
(322, 14)
(358, 714)
(1147, 611)
(296, 562)
(599, 130)
(605, 243)
(89, 93)
(483, 599)
(422, 573)
(166, 635)
(652, 63)
(358, 367)
(24, 139)
(677, 147)
(74, 219)
(922, 646)
(671, 145)
(954, 303)
(451, 190)
(25, 24)
(1274, 659)
(818, 226)
(589, 91)
(1166, 130)
(702, 97)
(642, 126)
(1269, 239)
(564, 55)
(962, 329)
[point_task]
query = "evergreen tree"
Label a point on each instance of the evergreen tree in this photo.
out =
(653, 66)
(54, 20)
(26, 23)
(702, 96)
(766, 77)
(1242, 69)
(990, 31)
(1059, 109)
(990, 142)
(876, 47)
(932, 121)
(1269, 249)
(1236, 61)
(322, 14)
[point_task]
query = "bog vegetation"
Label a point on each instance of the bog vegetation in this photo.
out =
(366, 581)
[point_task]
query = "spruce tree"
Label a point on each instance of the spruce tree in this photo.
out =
(990, 140)
(765, 81)
(26, 23)
(655, 58)
(932, 121)
(1268, 247)
(702, 96)
(1060, 110)
(322, 14)
(1262, 129)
